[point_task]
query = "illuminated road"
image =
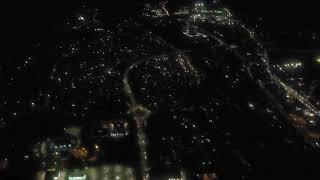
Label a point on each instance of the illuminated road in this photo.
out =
(311, 137)
(104, 172)
(140, 115)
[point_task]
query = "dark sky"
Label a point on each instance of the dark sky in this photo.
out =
(284, 13)
(36, 10)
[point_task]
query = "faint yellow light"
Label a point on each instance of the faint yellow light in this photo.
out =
(318, 60)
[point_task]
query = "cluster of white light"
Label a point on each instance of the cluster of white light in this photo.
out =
(158, 12)
(81, 18)
(62, 146)
(292, 65)
(251, 105)
(77, 177)
(209, 163)
(309, 113)
(117, 134)
(200, 4)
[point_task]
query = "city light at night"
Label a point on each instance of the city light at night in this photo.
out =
(159, 90)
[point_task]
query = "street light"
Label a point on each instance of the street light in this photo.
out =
(318, 59)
